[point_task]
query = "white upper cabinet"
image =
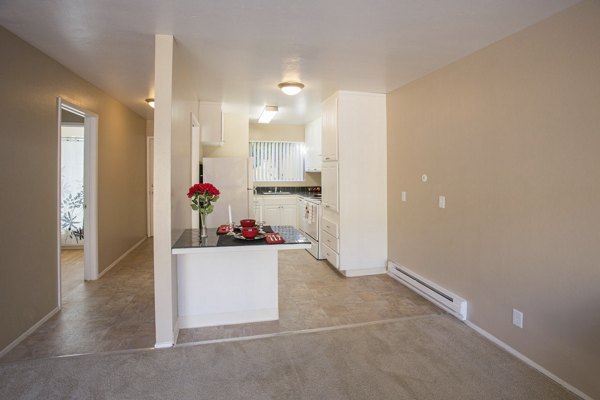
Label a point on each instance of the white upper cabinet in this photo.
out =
(312, 141)
(329, 123)
(211, 123)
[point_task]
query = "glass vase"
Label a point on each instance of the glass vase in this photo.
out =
(203, 225)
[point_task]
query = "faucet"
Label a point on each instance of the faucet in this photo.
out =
(275, 189)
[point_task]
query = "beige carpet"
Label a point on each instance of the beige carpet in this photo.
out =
(421, 357)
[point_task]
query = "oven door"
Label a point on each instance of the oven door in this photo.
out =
(310, 220)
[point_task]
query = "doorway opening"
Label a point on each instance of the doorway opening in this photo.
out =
(77, 194)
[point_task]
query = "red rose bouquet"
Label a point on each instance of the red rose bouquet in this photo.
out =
(203, 195)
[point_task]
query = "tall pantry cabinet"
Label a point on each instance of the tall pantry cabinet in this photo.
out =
(354, 183)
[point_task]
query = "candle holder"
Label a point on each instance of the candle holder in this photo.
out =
(231, 229)
(261, 224)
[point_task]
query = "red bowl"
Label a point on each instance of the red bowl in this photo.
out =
(248, 223)
(249, 233)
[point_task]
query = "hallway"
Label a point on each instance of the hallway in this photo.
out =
(115, 312)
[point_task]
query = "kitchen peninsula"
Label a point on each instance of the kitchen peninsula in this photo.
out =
(223, 281)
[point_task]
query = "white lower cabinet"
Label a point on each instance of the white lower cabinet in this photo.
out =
(276, 210)
(272, 215)
(331, 256)
(288, 215)
(329, 241)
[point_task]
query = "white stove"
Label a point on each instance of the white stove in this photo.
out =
(309, 219)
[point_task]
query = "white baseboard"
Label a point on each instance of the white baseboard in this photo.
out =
(350, 273)
(176, 331)
(118, 260)
(228, 318)
(163, 345)
(527, 360)
(28, 332)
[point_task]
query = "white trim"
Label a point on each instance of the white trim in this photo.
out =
(228, 318)
(164, 345)
(101, 274)
(90, 218)
(149, 186)
(28, 332)
(59, 201)
(526, 360)
(90, 171)
(350, 273)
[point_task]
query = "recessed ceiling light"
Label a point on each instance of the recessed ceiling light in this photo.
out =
(150, 102)
(291, 88)
(267, 114)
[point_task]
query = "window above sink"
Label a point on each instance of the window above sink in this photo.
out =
(278, 161)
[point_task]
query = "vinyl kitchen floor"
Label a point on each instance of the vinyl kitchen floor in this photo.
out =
(116, 312)
(312, 295)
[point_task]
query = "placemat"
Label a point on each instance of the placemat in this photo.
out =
(229, 240)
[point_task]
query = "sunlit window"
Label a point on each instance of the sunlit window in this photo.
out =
(278, 161)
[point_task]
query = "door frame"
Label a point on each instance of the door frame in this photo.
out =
(149, 185)
(90, 190)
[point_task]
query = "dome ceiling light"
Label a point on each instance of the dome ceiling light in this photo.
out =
(291, 88)
(150, 102)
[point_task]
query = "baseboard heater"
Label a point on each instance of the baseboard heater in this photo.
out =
(435, 293)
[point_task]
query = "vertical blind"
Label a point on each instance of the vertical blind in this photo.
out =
(278, 161)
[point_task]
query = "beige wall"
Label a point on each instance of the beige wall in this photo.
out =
(235, 131)
(271, 132)
(511, 135)
(292, 133)
(150, 127)
(30, 84)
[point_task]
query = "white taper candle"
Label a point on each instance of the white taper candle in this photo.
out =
(230, 219)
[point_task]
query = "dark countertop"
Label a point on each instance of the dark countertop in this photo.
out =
(190, 238)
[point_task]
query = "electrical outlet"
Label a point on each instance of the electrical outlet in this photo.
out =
(442, 202)
(517, 318)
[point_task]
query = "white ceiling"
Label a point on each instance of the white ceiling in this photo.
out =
(241, 49)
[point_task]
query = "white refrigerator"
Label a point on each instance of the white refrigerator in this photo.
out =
(234, 177)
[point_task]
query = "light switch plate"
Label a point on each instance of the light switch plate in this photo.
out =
(404, 196)
(442, 202)
(517, 318)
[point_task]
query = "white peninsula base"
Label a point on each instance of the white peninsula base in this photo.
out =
(229, 287)
(229, 284)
